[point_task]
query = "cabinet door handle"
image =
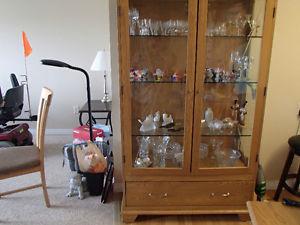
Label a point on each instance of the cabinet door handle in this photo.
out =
(212, 194)
(226, 195)
(165, 195)
(149, 194)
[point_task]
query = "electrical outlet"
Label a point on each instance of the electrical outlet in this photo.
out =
(75, 109)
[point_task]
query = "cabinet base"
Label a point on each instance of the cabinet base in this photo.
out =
(128, 218)
(129, 214)
(244, 217)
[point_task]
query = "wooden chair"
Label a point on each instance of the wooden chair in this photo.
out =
(294, 143)
(21, 160)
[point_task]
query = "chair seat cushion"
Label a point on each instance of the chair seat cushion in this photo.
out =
(294, 142)
(21, 157)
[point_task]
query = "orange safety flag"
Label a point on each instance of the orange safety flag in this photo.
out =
(27, 47)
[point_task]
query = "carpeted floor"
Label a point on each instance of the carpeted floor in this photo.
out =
(28, 208)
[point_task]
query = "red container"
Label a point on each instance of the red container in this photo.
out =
(83, 133)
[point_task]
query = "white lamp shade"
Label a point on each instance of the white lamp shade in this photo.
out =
(101, 61)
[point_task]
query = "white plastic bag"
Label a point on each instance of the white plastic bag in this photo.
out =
(91, 159)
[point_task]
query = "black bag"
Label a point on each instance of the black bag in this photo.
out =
(94, 180)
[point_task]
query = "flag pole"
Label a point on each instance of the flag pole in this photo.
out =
(27, 52)
(27, 88)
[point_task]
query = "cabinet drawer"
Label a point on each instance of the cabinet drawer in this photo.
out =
(188, 193)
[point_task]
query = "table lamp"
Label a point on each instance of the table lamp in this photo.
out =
(102, 63)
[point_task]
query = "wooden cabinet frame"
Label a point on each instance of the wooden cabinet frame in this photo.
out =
(266, 48)
(190, 172)
(126, 93)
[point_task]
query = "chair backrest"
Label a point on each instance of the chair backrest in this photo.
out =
(14, 80)
(13, 104)
(45, 101)
(14, 98)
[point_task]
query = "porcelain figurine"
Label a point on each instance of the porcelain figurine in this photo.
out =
(158, 75)
(243, 112)
(167, 119)
(208, 115)
(176, 77)
(218, 74)
(132, 75)
(235, 108)
(209, 74)
(228, 123)
(148, 124)
(156, 117)
(144, 74)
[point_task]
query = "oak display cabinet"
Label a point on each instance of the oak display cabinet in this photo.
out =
(193, 85)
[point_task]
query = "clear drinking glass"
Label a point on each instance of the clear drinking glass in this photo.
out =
(143, 159)
(133, 18)
(203, 150)
(160, 150)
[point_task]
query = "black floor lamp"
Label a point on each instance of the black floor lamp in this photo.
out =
(95, 181)
(56, 63)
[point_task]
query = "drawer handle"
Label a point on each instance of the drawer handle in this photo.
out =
(212, 194)
(149, 194)
(226, 195)
(165, 195)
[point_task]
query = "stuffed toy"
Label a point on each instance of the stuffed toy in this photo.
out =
(76, 185)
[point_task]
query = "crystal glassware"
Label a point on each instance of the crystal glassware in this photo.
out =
(227, 157)
(173, 150)
(159, 147)
(133, 20)
(203, 150)
(143, 159)
(216, 144)
(144, 28)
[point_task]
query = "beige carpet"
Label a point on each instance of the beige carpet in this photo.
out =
(28, 208)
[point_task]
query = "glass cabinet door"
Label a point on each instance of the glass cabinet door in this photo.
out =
(228, 82)
(162, 41)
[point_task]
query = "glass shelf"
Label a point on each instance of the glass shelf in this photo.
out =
(205, 131)
(233, 36)
(162, 131)
(157, 82)
(158, 132)
(157, 36)
(231, 82)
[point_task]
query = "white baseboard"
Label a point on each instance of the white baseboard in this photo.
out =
(68, 132)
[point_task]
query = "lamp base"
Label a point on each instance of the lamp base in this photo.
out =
(105, 98)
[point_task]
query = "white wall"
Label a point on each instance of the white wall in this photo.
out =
(67, 30)
(116, 120)
(283, 96)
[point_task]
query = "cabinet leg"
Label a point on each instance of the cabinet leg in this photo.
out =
(244, 217)
(129, 218)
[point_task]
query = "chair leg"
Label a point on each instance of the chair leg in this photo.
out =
(44, 186)
(296, 187)
(284, 174)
